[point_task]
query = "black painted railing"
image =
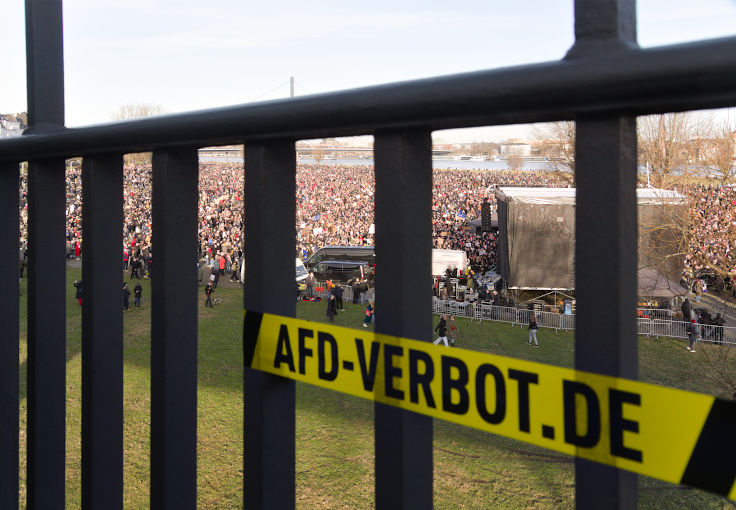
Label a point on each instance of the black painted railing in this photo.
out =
(603, 83)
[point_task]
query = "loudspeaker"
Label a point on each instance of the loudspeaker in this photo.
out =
(485, 216)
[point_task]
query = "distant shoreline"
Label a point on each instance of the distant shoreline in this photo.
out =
(527, 166)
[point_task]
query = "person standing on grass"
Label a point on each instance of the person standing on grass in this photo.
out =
(134, 268)
(310, 285)
(208, 290)
(533, 330)
(138, 293)
(692, 334)
(452, 330)
(442, 331)
(200, 271)
(337, 292)
(78, 295)
(331, 307)
(698, 290)
(126, 297)
(235, 276)
(221, 264)
(686, 308)
(354, 286)
(368, 314)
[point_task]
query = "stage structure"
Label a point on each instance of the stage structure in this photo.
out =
(536, 241)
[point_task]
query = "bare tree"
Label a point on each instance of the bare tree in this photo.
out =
(665, 234)
(483, 148)
(515, 161)
(137, 110)
(556, 141)
(134, 111)
(318, 155)
(720, 154)
(669, 146)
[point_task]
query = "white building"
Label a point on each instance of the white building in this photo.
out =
(516, 148)
(10, 125)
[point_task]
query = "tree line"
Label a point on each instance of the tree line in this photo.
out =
(673, 148)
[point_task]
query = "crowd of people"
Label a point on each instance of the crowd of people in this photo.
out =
(457, 198)
(335, 206)
(712, 243)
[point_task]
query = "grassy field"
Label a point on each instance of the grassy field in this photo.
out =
(334, 443)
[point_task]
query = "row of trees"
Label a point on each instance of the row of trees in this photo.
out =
(674, 147)
(132, 111)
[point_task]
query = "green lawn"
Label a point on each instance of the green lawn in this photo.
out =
(334, 443)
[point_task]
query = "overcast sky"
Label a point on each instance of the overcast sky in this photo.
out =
(190, 54)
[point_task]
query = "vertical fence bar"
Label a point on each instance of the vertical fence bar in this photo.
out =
(403, 247)
(605, 230)
(46, 269)
(45, 65)
(270, 233)
(9, 318)
(174, 330)
(46, 334)
(102, 333)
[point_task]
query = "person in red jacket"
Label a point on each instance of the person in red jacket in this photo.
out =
(222, 265)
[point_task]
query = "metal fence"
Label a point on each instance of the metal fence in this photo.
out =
(566, 322)
(655, 313)
(603, 82)
(508, 314)
(676, 329)
(320, 290)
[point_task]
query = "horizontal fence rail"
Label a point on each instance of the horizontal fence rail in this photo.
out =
(637, 81)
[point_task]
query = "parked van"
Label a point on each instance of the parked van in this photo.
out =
(441, 259)
(344, 253)
(340, 271)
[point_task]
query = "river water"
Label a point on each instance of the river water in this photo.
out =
(460, 165)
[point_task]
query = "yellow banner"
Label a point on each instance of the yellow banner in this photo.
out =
(673, 435)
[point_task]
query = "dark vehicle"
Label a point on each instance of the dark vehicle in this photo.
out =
(365, 254)
(340, 271)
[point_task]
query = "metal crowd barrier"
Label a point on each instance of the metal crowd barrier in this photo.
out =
(676, 329)
(656, 327)
(655, 313)
(347, 292)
